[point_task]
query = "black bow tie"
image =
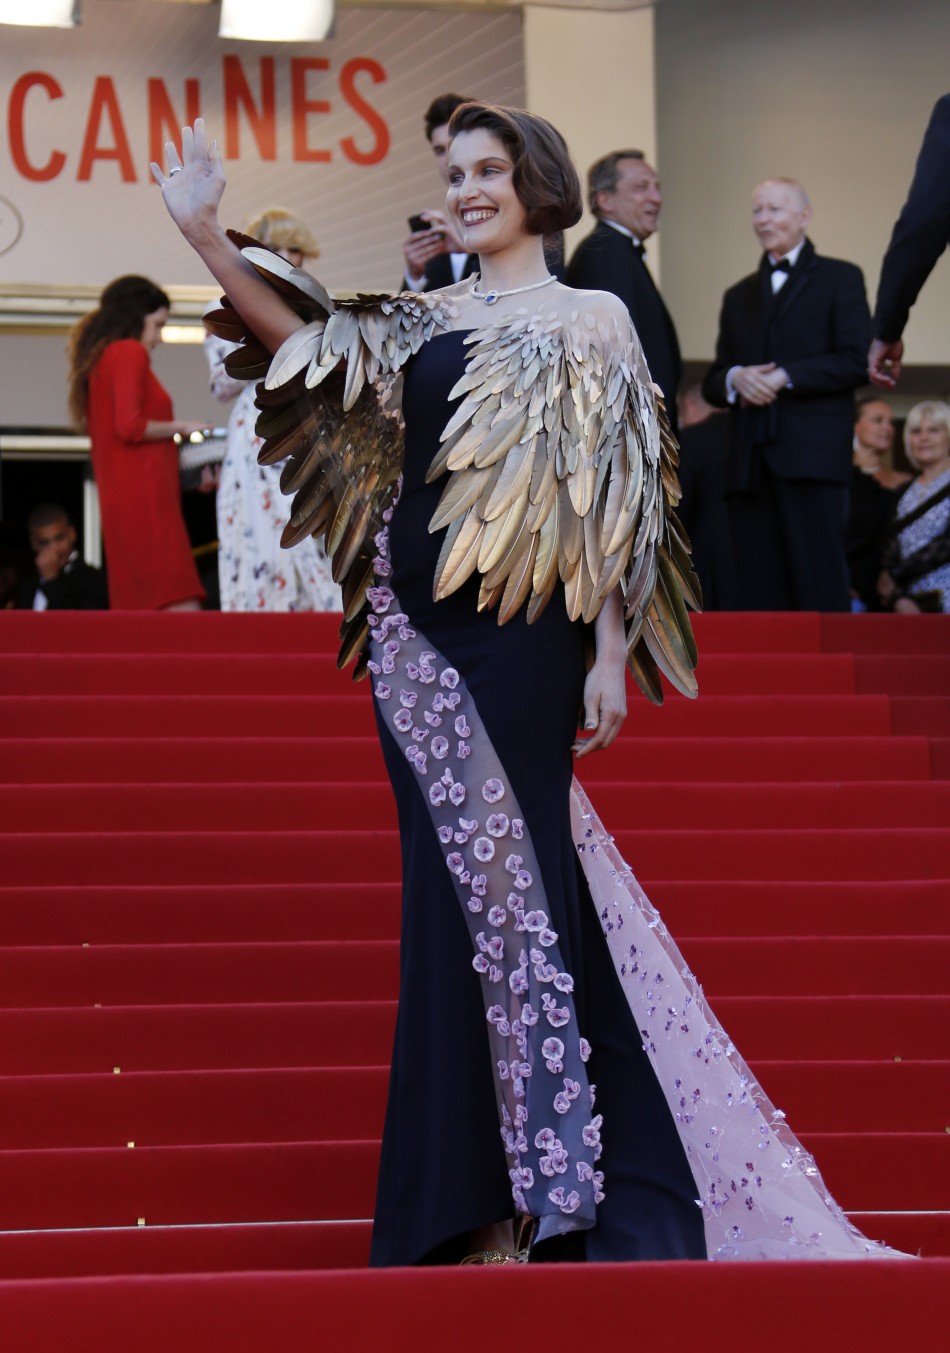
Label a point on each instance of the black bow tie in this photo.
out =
(783, 265)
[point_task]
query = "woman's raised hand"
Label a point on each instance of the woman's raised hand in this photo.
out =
(194, 183)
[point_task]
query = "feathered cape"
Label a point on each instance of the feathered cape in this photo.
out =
(559, 459)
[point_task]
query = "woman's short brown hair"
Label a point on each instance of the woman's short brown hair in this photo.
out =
(544, 176)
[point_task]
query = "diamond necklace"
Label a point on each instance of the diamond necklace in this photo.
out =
(490, 297)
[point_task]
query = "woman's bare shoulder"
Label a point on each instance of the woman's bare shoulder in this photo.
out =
(599, 305)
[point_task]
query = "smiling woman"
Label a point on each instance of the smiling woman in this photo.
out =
(500, 563)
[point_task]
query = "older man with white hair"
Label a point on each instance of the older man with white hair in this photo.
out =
(792, 348)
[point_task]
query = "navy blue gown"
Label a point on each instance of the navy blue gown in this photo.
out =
(444, 1169)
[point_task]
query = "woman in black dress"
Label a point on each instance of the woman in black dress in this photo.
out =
(488, 570)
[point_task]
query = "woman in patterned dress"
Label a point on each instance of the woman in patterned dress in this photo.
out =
(916, 573)
(255, 573)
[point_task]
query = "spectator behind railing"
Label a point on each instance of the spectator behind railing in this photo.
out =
(875, 489)
(61, 580)
(916, 574)
(129, 416)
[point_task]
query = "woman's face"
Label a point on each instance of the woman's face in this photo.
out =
(481, 199)
(875, 426)
(929, 443)
(152, 327)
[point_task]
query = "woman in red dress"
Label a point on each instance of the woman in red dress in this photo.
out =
(114, 394)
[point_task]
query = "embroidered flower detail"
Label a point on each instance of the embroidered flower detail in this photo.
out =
(438, 702)
(445, 835)
(480, 963)
(518, 981)
(564, 981)
(455, 862)
(465, 877)
(382, 567)
(552, 1050)
(480, 884)
(546, 1140)
(484, 849)
(440, 748)
(468, 824)
(523, 880)
(544, 972)
(419, 760)
(493, 790)
(497, 824)
(383, 692)
(529, 1015)
(380, 598)
(461, 838)
(522, 1176)
(495, 1014)
(559, 1016)
(555, 1162)
(420, 734)
(513, 863)
(517, 828)
(516, 903)
(412, 671)
(433, 720)
(436, 794)
(463, 750)
(547, 937)
(402, 720)
(590, 1136)
(408, 699)
(503, 1074)
(449, 678)
(390, 648)
(495, 974)
(496, 947)
(535, 920)
(497, 916)
(585, 1172)
(598, 1186)
(566, 1202)
(374, 667)
(461, 727)
(452, 701)
(406, 632)
(584, 1049)
(447, 778)
(388, 665)
(475, 904)
(457, 793)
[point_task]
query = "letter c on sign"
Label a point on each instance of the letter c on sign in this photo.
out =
(15, 129)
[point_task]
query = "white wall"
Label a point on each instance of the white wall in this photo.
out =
(836, 93)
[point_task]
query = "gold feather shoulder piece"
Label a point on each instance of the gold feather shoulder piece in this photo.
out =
(562, 468)
(327, 410)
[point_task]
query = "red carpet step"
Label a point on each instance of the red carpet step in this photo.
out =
(197, 956)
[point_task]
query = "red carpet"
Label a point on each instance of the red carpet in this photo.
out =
(191, 1089)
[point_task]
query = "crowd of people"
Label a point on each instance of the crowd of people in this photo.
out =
(790, 493)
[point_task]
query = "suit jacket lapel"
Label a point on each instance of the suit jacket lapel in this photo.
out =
(798, 279)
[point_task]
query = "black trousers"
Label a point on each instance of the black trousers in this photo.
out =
(788, 542)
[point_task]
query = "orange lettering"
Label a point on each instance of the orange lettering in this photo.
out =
(380, 148)
(105, 104)
(303, 106)
(163, 122)
(16, 132)
(263, 120)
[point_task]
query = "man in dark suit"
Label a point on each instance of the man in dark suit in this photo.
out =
(920, 236)
(623, 192)
(434, 257)
(61, 580)
(791, 350)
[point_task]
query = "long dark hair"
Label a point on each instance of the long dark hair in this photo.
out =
(120, 314)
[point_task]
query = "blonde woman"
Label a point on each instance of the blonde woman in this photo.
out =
(255, 573)
(916, 573)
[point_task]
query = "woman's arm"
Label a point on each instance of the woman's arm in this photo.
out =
(605, 690)
(192, 190)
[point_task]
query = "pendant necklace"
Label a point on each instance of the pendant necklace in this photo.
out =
(490, 297)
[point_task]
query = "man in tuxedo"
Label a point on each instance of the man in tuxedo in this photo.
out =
(434, 257)
(792, 348)
(920, 236)
(623, 192)
(61, 580)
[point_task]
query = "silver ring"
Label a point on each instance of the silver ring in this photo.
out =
(176, 169)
